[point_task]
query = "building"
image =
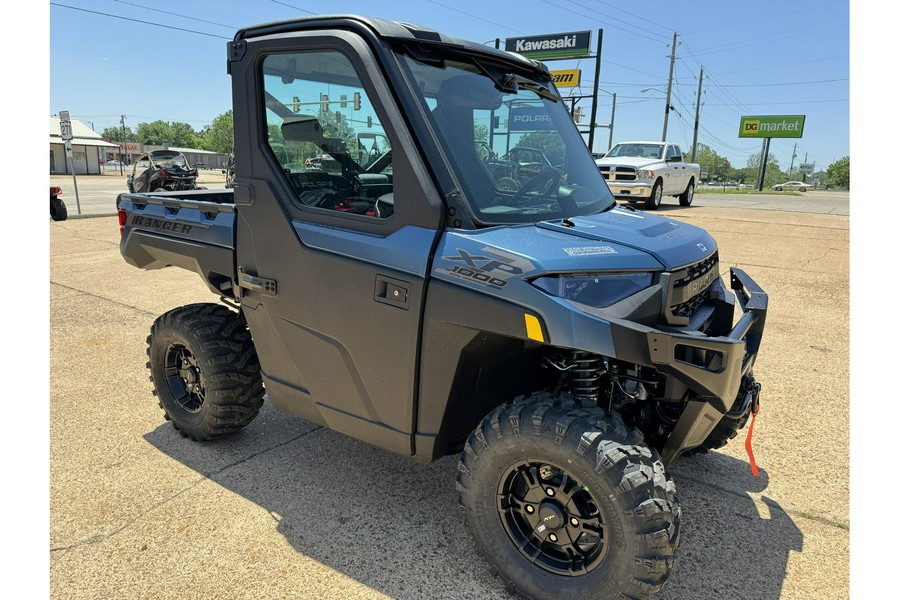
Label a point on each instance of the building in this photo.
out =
(88, 149)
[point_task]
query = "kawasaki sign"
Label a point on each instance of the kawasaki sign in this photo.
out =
(554, 45)
(790, 126)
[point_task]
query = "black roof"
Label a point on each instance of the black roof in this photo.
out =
(390, 30)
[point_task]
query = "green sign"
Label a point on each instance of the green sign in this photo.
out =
(552, 46)
(781, 126)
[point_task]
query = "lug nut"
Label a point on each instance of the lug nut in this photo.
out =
(529, 508)
(553, 537)
(574, 522)
(550, 491)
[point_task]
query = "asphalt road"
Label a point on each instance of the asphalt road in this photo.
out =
(97, 195)
(285, 509)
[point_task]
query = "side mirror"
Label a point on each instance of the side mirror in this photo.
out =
(674, 159)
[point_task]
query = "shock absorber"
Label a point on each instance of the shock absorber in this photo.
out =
(585, 379)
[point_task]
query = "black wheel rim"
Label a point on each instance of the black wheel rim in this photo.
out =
(552, 518)
(184, 378)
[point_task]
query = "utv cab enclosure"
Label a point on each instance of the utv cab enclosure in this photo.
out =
(567, 349)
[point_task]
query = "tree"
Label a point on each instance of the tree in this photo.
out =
(218, 136)
(160, 133)
(839, 172)
(114, 134)
(773, 171)
(716, 166)
(548, 142)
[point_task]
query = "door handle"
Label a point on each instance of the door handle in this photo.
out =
(393, 292)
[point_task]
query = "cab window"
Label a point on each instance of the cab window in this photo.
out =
(325, 134)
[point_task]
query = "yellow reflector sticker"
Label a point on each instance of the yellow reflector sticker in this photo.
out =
(533, 328)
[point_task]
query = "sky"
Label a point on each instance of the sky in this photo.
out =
(166, 60)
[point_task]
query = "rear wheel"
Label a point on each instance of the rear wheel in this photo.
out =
(655, 198)
(204, 370)
(687, 196)
(58, 210)
(566, 502)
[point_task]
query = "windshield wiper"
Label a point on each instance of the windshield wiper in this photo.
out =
(512, 82)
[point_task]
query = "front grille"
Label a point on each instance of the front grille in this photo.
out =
(689, 289)
(689, 309)
(616, 173)
(696, 270)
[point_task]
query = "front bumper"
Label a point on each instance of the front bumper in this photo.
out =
(631, 189)
(711, 367)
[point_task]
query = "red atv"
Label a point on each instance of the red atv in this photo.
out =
(58, 210)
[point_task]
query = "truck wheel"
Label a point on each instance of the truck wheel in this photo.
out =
(687, 196)
(58, 210)
(204, 370)
(655, 198)
(565, 501)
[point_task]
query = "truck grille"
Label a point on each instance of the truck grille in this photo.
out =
(616, 173)
(689, 289)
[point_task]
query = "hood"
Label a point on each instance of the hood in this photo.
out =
(616, 240)
(631, 161)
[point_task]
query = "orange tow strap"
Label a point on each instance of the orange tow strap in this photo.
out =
(749, 447)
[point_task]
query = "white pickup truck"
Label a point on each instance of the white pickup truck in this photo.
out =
(647, 171)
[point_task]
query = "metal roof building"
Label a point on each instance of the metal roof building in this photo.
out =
(87, 147)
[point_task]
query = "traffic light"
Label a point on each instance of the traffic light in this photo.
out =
(296, 104)
(576, 116)
(357, 101)
(369, 121)
(324, 99)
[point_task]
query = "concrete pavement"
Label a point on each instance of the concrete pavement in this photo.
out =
(286, 509)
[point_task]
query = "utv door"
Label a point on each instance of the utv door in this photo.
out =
(332, 263)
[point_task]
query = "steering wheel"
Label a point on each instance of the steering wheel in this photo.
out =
(543, 178)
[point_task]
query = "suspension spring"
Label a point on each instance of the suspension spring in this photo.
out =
(585, 379)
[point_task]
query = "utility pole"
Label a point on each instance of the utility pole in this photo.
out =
(793, 156)
(124, 148)
(612, 122)
(697, 117)
(669, 89)
(596, 87)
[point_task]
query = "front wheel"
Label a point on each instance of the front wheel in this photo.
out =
(566, 502)
(655, 198)
(687, 196)
(58, 210)
(204, 370)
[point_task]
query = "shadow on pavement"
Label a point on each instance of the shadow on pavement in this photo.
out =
(393, 525)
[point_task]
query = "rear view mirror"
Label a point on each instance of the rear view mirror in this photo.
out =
(302, 128)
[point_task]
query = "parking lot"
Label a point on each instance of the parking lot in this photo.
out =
(287, 509)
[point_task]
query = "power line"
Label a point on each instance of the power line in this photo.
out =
(776, 84)
(103, 14)
(309, 12)
(159, 10)
(769, 68)
(476, 17)
(575, 12)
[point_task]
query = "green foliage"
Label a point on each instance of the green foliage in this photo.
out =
(218, 136)
(548, 142)
(838, 173)
(114, 134)
(160, 133)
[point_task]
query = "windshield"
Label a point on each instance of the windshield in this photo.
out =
(171, 161)
(517, 155)
(637, 150)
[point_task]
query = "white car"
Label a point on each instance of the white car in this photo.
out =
(791, 185)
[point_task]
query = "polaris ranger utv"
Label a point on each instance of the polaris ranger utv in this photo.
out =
(566, 348)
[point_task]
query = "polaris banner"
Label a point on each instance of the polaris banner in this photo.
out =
(529, 118)
(554, 45)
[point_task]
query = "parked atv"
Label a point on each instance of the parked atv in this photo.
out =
(162, 171)
(58, 211)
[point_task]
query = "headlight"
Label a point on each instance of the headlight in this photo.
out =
(644, 174)
(598, 291)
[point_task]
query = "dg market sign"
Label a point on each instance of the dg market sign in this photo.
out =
(573, 44)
